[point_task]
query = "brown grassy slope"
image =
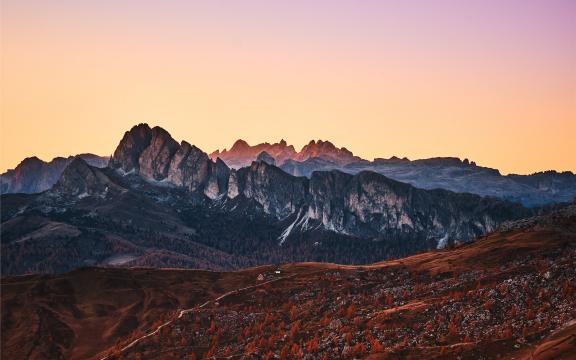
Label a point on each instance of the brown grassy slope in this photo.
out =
(85, 313)
(78, 314)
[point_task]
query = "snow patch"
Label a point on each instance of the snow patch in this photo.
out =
(299, 221)
(124, 173)
(442, 243)
(83, 195)
(119, 259)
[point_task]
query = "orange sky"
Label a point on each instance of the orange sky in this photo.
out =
(482, 83)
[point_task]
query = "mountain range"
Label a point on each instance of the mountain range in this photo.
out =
(449, 173)
(162, 203)
(33, 175)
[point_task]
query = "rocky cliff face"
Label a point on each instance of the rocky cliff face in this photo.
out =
(154, 161)
(127, 155)
(154, 155)
(369, 204)
(279, 193)
(267, 158)
(189, 167)
(366, 204)
(33, 175)
(82, 180)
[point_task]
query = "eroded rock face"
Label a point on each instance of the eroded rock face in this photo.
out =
(80, 179)
(155, 160)
(279, 193)
(127, 155)
(155, 155)
(267, 158)
(189, 167)
(327, 203)
(218, 181)
(367, 204)
(233, 190)
(370, 203)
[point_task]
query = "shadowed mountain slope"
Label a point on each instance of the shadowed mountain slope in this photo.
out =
(33, 175)
(166, 204)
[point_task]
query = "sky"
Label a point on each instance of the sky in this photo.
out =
(493, 81)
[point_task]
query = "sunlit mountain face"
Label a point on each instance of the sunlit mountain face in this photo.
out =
(288, 180)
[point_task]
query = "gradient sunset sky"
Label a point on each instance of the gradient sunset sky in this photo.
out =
(489, 80)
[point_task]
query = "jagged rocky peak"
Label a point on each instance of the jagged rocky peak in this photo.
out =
(327, 151)
(267, 158)
(127, 154)
(240, 146)
(154, 155)
(242, 154)
(80, 179)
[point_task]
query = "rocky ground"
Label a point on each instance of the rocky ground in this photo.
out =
(384, 312)
(509, 295)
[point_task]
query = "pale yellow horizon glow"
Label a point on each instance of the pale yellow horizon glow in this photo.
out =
(71, 86)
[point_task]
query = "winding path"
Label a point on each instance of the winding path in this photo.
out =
(196, 308)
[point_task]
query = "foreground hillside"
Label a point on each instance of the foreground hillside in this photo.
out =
(508, 295)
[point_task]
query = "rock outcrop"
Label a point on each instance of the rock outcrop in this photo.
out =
(189, 167)
(369, 204)
(279, 193)
(154, 161)
(127, 154)
(155, 156)
(82, 180)
(267, 158)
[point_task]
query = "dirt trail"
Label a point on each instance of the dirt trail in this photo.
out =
(196, 308)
